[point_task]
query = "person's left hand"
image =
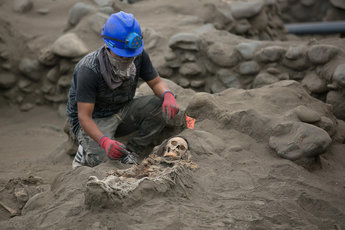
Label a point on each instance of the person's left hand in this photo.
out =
(170, 108)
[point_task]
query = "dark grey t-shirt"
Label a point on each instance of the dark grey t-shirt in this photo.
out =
(89, 86)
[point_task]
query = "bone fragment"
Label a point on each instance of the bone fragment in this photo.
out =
(10, 210)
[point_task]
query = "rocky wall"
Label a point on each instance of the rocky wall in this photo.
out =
(42, 78)
(312, 10)
(207, 59)
(211, 60)
(256, 19)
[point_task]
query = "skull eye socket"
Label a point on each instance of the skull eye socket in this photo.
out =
(174, 143)
(182, 147)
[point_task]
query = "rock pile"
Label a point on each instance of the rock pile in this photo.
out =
(312, 10)
(211, 60)
(257, 19)
(46, 79)
(207, 59)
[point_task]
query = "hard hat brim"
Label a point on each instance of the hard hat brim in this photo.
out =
(126, 52)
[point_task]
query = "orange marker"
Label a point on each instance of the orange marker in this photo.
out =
(190, 122)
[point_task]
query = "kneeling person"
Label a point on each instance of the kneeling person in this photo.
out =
(101, 98)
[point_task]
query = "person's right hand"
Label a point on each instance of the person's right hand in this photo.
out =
(114, 149)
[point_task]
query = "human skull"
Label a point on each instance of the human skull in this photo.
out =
(175, 148)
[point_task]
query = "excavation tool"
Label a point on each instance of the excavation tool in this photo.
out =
(132, 157)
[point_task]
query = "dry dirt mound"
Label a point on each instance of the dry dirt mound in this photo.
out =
(240, 182)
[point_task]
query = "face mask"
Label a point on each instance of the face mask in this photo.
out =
(122, 64)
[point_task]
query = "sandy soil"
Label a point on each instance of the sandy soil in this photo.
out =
(240, 181)
(27, 139)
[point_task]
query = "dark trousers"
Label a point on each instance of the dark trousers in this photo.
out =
(142, 114)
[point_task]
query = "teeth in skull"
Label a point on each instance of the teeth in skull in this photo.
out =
(176, 148)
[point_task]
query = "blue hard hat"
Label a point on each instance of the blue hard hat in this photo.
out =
(122, 34)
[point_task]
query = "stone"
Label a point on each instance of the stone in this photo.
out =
(47, 57)
(210, 66)
(320, 54)
(103, 3)
(247, 49)
(185, 41)
(190, 20)
(183, 82)
(47, 88)
(7, 80)
(246, 9)
(228, 78)
(265, 36)
(204, 29)
(64, 82)
(58, 98)
(307, 115)
(338, 3)
(296, 52)
(10, 94)
(308, 2)
(222, 55)
(6, 66)
(334, 14)
(337, 100)
(242, 26)
(170, 56)
(62, 111)
(216, 87)
(65, 66)
(314, 83)
(19, 99)
(151, 38)
(197, 83)
(30, 68)
(97, 21)
(297, 64)
(219, 16)
(107, 10)
(296, 75)
(191, 69)
(25, 86)
(22, 6)
(298, 140)
(271, 54)
(246, 81)
(223, 18)
(53, 74)
(26, 107)
(263, 79)
(77, 12)
(188, 57)
(175, 63)
(165, 71)
(69, 45)
(4, 54)
(339, 75)
(43, 11)
(260, 21)
(273, 70)
(249, 67)
(327, 124)
(283, 76)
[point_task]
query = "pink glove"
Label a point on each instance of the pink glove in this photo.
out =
(114, 149)
(170, 107)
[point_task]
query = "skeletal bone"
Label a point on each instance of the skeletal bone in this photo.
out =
(160, 171)
(176, 148)
(10, 210)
